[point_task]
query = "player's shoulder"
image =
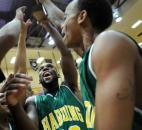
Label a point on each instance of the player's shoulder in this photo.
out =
(114, 41)
(64, 87)
(112, 36)
(110, 33)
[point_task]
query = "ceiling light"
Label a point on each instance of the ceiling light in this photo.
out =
(39, 60)
(51, 41)
(115, 13)
(119, 19)
(136, 24)
(13, 59)
(140, 44)
(58, 62)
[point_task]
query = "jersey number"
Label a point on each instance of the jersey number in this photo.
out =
(90, 115)
(75, 127)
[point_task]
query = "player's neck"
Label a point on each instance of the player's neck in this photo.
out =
(88, 38)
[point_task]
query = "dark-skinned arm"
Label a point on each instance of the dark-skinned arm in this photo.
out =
(67, 62)
(20, 63)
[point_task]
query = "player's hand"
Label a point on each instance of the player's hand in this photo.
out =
(16, 87)
(20, 13)
(25, 26)
(39, 15)
(4, 87)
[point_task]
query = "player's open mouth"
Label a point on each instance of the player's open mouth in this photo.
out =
(47, 76)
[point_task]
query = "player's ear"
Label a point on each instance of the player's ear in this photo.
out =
(82, 16)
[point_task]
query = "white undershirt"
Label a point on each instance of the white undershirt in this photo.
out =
(90, 62)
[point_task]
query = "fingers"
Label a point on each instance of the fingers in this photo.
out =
(4, 107)
(16, 86)
(23, 8)
(17, 81)
(25, 26)
(3, 101)
(10, 77)
(24, 76)
(29, 21)
(20, 12)
(2, 98)
(11, 92)
(2, 95)
(5, 84)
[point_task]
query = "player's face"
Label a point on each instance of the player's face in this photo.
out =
(48, 75)
(70, 27)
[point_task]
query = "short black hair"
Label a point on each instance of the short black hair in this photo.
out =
(99, 12)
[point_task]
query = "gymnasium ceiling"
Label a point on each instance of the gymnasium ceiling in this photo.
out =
(130, 11)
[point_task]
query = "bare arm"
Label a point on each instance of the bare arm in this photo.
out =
(9, 33)
(67, 62)
(8, 36)
(115, 83)
(20, 64)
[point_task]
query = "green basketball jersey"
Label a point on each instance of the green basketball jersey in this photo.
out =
(87, 80)
(62, 111)
(87, 83)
